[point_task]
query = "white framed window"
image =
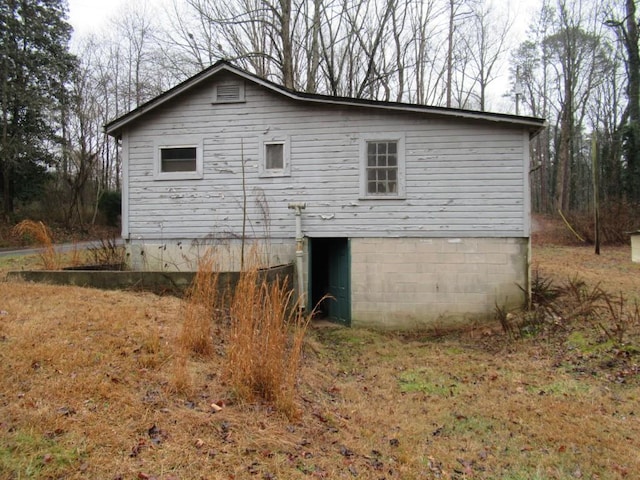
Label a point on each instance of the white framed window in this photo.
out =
(275, 158)
(228, 92)
(181, 160)
(382, 166)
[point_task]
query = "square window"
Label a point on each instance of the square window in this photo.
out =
(274, 156)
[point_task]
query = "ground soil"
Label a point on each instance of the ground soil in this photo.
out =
(559, 254)
(88, 389)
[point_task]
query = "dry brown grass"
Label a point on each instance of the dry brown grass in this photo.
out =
(86, 391)
(196, 335)
(39, 234)
(263, 359)
(203, 300)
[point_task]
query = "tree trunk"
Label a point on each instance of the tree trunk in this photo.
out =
(633, 94)
(287, 46)
(7, 197)
(450, 53)
(633, 52)
(314, 54)
(5, 164)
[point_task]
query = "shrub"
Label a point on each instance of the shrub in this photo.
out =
(110, 206)
(109, 252)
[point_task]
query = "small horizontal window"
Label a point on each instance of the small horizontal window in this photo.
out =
(181, 159)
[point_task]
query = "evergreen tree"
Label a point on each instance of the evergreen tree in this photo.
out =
(35, 66)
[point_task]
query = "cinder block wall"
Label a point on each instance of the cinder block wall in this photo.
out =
(183, 255)
(405, 283)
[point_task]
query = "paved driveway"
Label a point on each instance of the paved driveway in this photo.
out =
(61, 247)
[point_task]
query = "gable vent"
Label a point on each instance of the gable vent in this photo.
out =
(229, 92)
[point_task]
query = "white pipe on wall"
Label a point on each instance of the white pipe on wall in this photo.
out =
(298, 207)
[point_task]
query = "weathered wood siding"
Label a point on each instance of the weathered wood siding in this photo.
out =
(463, 178)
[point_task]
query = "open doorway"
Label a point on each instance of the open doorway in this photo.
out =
(329, 274)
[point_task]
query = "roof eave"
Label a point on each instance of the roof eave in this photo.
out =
(114, 128)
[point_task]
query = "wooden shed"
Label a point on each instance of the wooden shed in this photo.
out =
(407, 215)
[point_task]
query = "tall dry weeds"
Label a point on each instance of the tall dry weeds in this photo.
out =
(196, 335)
(265, 342)
(40, 234)
(203, 300)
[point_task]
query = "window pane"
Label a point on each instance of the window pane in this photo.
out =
(274, 156)
(382, 168)
(181, 159)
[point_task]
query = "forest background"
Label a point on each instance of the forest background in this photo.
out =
(578, 67)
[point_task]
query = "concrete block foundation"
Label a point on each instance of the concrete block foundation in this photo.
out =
(402, 283)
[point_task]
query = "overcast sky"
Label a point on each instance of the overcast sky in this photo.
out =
(92, 16)
(88, 16)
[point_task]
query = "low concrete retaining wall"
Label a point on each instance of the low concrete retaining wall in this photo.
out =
(173, 283)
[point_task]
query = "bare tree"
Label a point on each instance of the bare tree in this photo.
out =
(485, 40)
(456, 13)
(426, 51)
(629, 37)
(255, 33)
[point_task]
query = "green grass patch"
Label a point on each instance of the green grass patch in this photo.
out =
(427, 382)
(30, 455)
(584, 343)
(473, 424)
(563, 387)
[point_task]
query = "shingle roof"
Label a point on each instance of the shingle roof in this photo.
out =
(114, 128)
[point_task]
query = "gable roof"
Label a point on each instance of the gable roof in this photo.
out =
(114, 128)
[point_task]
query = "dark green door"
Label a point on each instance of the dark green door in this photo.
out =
(339, 306)
(330, 277)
